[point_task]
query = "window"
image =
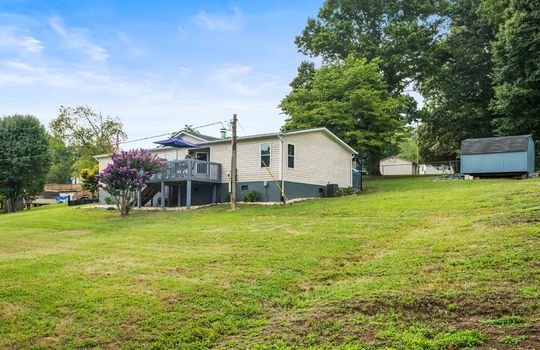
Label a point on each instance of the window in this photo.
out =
(291, 152)
(265, 154)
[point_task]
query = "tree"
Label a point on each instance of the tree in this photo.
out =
(89, 180)
(126, 175)
(408, 150)
(458, 89)
(62, 159)
(88, 132)
(351, 99)
(397, 33)
(191, 129)
(24, 159)
(516, 59)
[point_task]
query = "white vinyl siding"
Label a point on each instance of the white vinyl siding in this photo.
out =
(319, 160)
(248, 159)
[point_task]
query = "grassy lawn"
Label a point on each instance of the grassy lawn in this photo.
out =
(409, 264)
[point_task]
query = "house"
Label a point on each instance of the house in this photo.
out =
(494, 156)
(302, 162)
(46, 197)
(73, 190)
(399, 166)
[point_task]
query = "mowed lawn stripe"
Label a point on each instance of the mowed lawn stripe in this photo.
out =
(409, 263)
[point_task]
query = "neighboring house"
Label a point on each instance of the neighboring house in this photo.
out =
(493, 156)
(399, 166)
(73, 190)
(45, 198)
(303, 163)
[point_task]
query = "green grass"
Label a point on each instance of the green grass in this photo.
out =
(411, 263)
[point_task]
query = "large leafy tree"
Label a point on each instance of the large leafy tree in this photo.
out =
(516, 57)
(62, 159)
(24, 158)
(88, 132)
(458, 88)
(399, 33)
(352, 100)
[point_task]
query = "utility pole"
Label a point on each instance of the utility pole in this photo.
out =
(233, 164)
(417, 149)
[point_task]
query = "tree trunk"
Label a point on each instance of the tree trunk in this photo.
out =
(13, 204)
(374, 163)
(125, 203)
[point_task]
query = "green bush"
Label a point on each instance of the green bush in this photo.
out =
(346, 191)
(252, 196)
(108, 200)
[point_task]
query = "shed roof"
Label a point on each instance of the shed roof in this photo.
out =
(502, 144)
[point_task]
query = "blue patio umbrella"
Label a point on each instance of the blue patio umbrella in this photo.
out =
(176, 142)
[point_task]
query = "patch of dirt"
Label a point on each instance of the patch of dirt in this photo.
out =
(464, 312)
(78, 232)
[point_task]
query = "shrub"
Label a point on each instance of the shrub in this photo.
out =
(108, 200)
(89, 180)
(346, 191)
(252, 196)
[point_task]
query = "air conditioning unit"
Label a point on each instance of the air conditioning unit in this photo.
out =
(331, 190)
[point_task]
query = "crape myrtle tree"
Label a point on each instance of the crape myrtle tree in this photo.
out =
(126, 175)
(352, 100)
(24, 159)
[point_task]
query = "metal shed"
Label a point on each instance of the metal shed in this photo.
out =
(507, 155)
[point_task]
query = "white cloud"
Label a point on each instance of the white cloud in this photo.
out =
(76, 38)
(236, 79)
(133, 49)
(183, 72)
(218, 22)
(11, 39)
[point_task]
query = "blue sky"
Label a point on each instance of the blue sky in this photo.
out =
(156, 65)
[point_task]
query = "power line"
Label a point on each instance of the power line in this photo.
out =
(241, 127)
(171, 133)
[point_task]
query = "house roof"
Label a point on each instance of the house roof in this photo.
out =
(502, 144)
(198, 136)
(249, 137)
(48, 194)
(292, 132)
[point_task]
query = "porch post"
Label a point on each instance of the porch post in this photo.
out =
(179, 195)
(214, 193)
(139, 199)
(162, 194)
(188, 185)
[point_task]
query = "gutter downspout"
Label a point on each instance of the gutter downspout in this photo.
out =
(281, 174)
